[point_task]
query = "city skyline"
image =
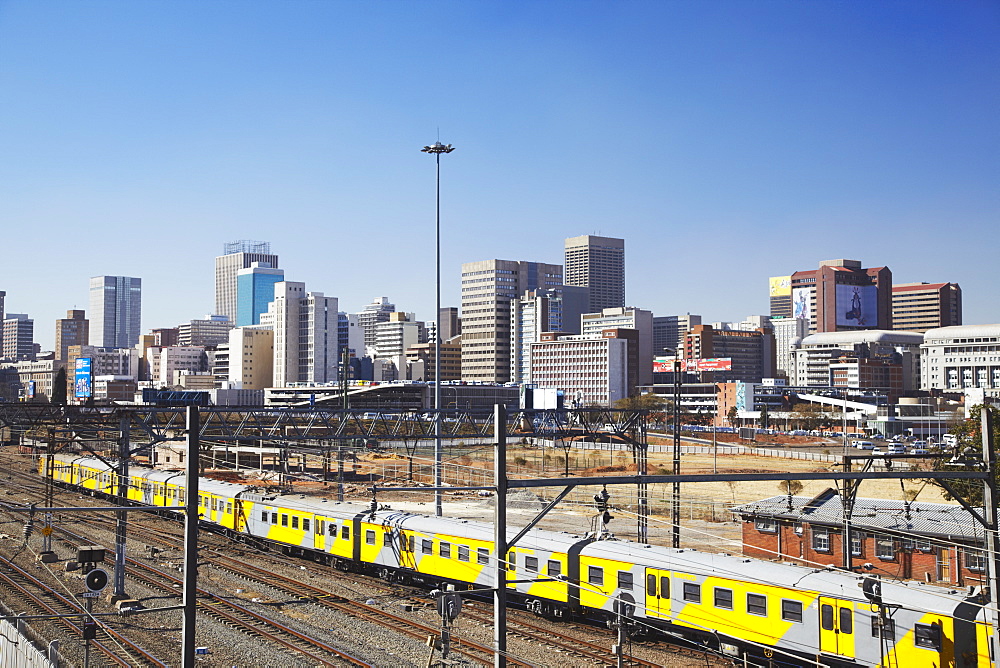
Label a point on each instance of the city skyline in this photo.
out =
(729, 142)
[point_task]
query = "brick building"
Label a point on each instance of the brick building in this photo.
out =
(920, 541)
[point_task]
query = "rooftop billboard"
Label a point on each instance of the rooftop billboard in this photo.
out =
(780, 286)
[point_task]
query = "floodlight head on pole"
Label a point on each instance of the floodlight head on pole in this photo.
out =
(438, 147)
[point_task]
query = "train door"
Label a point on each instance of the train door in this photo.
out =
(240, 517)
(319, 534)
(657, 593)
(836, 627)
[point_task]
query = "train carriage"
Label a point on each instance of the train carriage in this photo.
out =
(763, 612)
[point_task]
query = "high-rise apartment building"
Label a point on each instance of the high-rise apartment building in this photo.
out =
(399, 332)
(788, 334)
(533, 313)
(918, 307)
(306, 328)
(597, 263)
(254, 291)
(376, 312)
(251, 357)
(73, 330)
(18, 337)
(237, 255)
(839, 296)
(115, 311)
(591, 370)
(488, 286)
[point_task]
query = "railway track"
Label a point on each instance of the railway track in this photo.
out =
(27, 589)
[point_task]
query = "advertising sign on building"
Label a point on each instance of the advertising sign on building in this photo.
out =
(666, 364)
(82, 379)
(780, 286)
(800, 303)
(857, 305)
(31, 389)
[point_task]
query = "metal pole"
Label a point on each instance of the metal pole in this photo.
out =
(500, 538)
(191, 539)
(437, 347)
(675, 505)
(990, 513)
(121, 519)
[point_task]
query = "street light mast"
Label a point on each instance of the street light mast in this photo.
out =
(437, 148)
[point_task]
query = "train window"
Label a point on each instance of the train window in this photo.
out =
(229, 508)
(624, 580)
(274, 518)
(345, 532)
(333, 530)
(482, 556)
(369, 537)
(595, 575)
(692, 592)
(888, 628)
(846, 620)
(650, 585)
(263, 516)
(412, 543)
(511, 560)
(553, 568)
(791, 611)
(183, 496)
(463, 552)
(320, 529)
(757, 604)
(724, 598)
(444, 549)
(305, 524)
(387, 539)
(427, 546)
(295, 522)
(826, 616)
(664, 586)
(885, 548)
(531, 564)
(284, 520)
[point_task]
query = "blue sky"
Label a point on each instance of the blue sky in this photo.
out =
(725, 141)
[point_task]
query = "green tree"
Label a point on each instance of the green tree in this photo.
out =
(642, 402)
(970, 450)
(732, 415)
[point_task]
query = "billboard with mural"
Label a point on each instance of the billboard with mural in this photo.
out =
(780, 286)
(81, 381)
(857, 305)
(800, 303)
(666, 364)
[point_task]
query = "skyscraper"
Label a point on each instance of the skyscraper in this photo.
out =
(597, 263)
(918, 307)
(18, 337)
(488, 286)
(115, 311)
(238, 255)
(254, 291)
(73, 330)
(305, 335)
(368, 319)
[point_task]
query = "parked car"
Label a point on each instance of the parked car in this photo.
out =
(919, 444)
(920, 451)
(863, 445)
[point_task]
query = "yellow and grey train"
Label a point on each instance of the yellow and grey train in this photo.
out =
(756, 611)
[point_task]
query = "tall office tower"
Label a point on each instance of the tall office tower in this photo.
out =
(2, 296)
(451, 324)
(238, 255)
(626, 318)
(597, 263)
(398, 333)
(305, 335)
(488, 286)
(350, 335)
(839, 296)
(18, 337)
(115, 311)
(376, 312)
(165, 337)
(73, 330)
(669, 331)
(254, 291)
(917, 307)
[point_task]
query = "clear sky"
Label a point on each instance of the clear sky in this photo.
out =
(725, 141)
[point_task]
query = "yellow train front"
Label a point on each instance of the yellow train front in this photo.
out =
(764, 612)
